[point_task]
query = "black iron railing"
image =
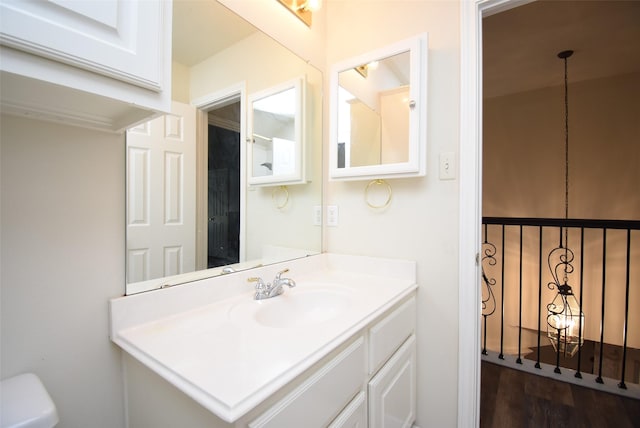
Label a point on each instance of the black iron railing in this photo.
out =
(606, 283)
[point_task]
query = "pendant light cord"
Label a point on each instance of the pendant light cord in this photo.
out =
(564, 55)
(566, 143)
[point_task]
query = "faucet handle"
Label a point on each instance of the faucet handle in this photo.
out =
(281, 272)
(260, 285)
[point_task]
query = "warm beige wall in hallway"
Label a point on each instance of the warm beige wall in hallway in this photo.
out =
(524, 151)
(524, 177)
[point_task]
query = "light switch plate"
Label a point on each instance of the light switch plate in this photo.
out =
(447, 166)
(332, 215)
(317, 215)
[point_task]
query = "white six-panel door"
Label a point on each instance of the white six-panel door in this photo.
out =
(161, 224)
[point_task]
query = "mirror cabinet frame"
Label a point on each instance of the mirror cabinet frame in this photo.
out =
(298, 176)
(416, 164)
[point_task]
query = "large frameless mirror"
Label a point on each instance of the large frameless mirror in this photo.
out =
(211, 220)
(378, 113)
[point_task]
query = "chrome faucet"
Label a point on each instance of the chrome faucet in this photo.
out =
(269, 290)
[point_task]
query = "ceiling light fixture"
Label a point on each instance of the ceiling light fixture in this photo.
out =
(364, 69)
(303, 9)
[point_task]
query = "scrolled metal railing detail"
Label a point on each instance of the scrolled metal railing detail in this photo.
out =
(488, 296)
(563, 258)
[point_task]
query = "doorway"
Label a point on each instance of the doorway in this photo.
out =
(471, 146)
(220, 178)
(470, 203)
(223, 185)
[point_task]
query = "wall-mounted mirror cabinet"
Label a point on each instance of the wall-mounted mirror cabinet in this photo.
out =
(276, 135)
(378, 113)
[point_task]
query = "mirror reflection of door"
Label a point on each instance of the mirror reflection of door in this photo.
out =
(223, 178)
(161, 198)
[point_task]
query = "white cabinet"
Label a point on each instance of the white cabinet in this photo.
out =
(386, 336)
(389, 372)
(392, 365)
(354, 415)
(103, 64)
(322, 396)
(392, 392)
(342, 390)
(277, 129)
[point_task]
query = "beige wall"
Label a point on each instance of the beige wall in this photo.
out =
(422, 221)
(395, 125)
(180, 84)
(365, 142)
(524, 177)
(524, 151)
(62, 227)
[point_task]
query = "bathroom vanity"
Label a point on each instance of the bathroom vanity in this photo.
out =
(338, 349)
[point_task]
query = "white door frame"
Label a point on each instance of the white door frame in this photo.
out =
(208, 102)
(471, 14)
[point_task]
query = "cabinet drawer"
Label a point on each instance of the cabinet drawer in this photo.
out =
(354, 415)
(388, 334)
(323, 395)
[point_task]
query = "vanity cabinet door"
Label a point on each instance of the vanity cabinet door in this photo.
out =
(392, 392)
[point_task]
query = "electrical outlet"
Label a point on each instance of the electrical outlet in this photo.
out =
(317, 215)
(447, 166)
(332, 215)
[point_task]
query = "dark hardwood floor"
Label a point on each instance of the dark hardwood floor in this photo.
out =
(513, 399)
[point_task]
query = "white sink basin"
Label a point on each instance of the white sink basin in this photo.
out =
(296, 307)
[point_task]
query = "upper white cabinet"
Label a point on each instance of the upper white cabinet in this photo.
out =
(378, 113)
(99, 64)
(277, 135)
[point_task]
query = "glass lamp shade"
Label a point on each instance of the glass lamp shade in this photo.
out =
(564, 323)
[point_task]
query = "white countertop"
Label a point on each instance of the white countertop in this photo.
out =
(215, 351)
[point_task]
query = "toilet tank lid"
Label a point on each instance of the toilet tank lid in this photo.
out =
(25, 403)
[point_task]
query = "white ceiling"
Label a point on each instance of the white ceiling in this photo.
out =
(203, 28)
(520, 46)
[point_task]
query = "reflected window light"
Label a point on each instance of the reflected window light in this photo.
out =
(282, 104)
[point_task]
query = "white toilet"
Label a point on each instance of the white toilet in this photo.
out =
(25, 403)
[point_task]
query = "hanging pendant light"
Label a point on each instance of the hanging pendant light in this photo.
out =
(565, 320)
